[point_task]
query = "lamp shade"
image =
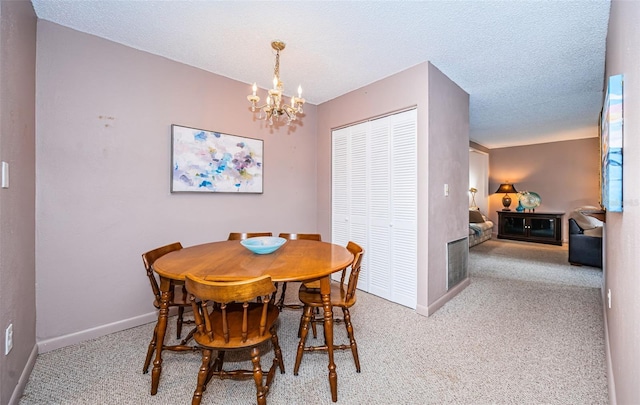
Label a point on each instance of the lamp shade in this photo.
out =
(506, 188)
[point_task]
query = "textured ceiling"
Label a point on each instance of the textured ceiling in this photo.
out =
(533, 68)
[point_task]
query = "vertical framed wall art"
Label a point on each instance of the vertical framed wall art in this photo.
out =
(611, 136)
(213, 162)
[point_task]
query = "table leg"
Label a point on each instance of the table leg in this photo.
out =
(163, 314)
(325, 292)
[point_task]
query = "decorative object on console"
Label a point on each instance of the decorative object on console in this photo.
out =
(519, 208)
(275, 106)
(528, 200)
(473, 192)
(506, 188)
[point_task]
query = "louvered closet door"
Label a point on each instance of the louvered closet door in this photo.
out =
(378, 255)
(358, 189)
(340, 186)
(404, 208)
(375, 202)
(393, 208)
(349, 189)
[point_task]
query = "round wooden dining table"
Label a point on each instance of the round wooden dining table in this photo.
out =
(296, 260)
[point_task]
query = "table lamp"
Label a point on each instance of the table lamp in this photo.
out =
(506, 188)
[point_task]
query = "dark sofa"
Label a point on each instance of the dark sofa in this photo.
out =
(584, 249)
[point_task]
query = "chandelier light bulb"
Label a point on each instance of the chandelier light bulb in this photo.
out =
(300, 91)
(254, 88)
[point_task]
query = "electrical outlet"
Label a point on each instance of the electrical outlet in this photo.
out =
(609, 298)
(446, 190)
(8, 339)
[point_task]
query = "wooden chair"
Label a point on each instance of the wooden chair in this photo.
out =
(177, 298)
(228, 318)
(294, 236)
(342, 296)
(244, 235)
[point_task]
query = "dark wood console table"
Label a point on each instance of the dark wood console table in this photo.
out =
(539, 227)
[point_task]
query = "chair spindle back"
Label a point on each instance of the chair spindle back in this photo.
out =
(354, 273)
(150, 257)
(247, 235)
(220, 296)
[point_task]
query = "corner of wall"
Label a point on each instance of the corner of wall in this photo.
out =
(24, 376)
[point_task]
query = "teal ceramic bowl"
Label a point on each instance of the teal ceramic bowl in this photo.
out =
(263, 245)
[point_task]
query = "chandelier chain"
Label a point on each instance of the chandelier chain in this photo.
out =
(276, 69)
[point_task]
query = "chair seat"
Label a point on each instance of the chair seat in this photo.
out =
(312, 297)
(180, 297)
(234, 319)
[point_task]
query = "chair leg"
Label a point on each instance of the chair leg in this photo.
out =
(304, 331)
(202, 377)
(301, 323)
(188, 337)
(150, 350)
(179, 322)
(276, 350)
(352, 339)
(219, 363)
(257, 377)
(280, 303)
(313, 326)
(275, 293)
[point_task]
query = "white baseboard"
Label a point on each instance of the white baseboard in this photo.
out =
(449, 295)
(24, 377)
(81, 336)
(607, 351)
(429, 310)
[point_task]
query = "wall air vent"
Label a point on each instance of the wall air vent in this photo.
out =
(457, 261)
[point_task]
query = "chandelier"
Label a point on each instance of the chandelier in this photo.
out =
(275, 107)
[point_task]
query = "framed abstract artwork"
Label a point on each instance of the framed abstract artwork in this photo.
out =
(212, 162)
(611, 146)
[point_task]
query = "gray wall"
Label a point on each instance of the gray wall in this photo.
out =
(104, 115)
(17, 203)
(448, 149)
(622, 239)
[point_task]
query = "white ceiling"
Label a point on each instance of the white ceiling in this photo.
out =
(533, 68)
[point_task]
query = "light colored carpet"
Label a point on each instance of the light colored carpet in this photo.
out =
(528, 330)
